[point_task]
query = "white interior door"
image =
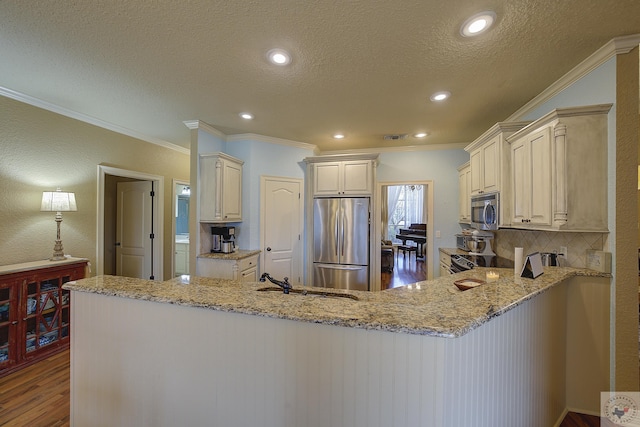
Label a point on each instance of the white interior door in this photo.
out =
(281, 226)
(133, 229)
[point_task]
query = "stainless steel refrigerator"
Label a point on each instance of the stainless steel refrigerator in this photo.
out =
(341, 243)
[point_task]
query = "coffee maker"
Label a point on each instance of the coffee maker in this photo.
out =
(223, 239)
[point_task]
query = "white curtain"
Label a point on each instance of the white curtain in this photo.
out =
(404, 206)
(393, 195)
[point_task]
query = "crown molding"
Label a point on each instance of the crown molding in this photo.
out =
(199, 124)
(616, 46)
(270, 140)
(45, 105)
(406, 148)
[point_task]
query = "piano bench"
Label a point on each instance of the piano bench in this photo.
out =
(404, 249)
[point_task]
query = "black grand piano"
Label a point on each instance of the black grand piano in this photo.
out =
(415, 233)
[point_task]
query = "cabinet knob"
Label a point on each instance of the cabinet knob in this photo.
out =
(15, 322)
(117, 243)
(268, 248)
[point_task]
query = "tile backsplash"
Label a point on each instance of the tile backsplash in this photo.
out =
(548, 241)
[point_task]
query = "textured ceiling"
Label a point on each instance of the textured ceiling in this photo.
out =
(362, 67)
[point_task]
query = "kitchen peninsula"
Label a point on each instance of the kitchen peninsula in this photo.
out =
(220, 352)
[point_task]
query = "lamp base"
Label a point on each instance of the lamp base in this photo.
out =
(58, 252)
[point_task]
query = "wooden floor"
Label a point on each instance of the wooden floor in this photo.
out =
(37, 395)
(407, 270)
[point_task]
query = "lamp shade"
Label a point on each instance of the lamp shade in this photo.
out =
(58, 201)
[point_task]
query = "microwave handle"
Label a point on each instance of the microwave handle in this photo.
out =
(484, 214)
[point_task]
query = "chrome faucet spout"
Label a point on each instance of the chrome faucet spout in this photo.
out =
(285, 285)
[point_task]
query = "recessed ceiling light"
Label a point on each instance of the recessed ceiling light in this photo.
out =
(279, 56)
(338, 135)
(440, 96)
(420, 135)
(246, 116)
(478, 23)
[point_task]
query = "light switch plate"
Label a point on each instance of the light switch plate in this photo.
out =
(599, 261)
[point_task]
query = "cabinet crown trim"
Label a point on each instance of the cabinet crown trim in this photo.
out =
(559, 113)
(223, 156)
(341, 157)
(498, 128)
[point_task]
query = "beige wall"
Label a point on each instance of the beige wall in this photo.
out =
(40, 150)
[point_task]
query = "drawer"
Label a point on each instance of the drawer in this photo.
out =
(249, 262)
(445, 259)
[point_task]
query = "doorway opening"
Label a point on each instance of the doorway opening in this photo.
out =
(404, 222)
(151, 260)
(180, 228)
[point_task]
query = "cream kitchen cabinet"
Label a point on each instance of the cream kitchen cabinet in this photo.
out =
(464, 193)
(489, 158)
(182, 259)
(559, 171)
(351, 175)
(531, 169)
(220, 188)
(445, 264)
(241, 265)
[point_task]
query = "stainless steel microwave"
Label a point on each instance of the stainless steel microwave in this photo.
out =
(485, 211)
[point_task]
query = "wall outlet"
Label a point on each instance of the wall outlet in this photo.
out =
(437, 234)
(564, 252)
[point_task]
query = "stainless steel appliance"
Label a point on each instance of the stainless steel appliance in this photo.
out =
(465, 262)
(341, 243)
(461, 242)
(223, 239)
(479, 243)
(485, 210)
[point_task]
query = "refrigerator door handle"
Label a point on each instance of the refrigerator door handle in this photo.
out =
(337, 238)
(342, 237)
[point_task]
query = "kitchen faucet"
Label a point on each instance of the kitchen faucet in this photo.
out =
(285, 285)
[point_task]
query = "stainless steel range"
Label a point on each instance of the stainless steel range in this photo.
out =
(467, 262)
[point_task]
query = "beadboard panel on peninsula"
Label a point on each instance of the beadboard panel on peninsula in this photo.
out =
(154, 363)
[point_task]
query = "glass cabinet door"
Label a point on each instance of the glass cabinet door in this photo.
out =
(47, 313)
(8, 322)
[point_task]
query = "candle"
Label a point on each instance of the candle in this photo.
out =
(492, 276)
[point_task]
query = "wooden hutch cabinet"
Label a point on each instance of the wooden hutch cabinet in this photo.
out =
(35, 310)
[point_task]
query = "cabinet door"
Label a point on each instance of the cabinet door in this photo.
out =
(540, 178)
(464, 195)
(531, 173)
(476, 172)
(327, 178)
(8, 323)
(182, 259)
(520, 173)
(356, 177)
(491, 166)
(232, 191)
(207, 188)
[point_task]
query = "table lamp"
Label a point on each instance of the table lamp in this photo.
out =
(58, 202)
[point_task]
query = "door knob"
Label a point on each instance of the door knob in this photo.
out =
(268, 248)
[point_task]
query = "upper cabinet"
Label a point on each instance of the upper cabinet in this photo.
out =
(220, 187)
(559, 171)
(352, 175)
(489, 163)
(489, 156)
(464, 193)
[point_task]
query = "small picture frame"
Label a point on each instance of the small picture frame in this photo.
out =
(532, 267)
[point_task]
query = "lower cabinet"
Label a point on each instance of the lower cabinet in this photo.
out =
(445, 264)
(35, 310)
(182, 259)
(243, 268)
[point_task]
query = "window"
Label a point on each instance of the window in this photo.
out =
(405, 207)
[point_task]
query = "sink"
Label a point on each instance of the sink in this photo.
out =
(310, 293)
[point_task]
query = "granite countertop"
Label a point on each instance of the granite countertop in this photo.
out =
(435, 307)
(237, 255)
